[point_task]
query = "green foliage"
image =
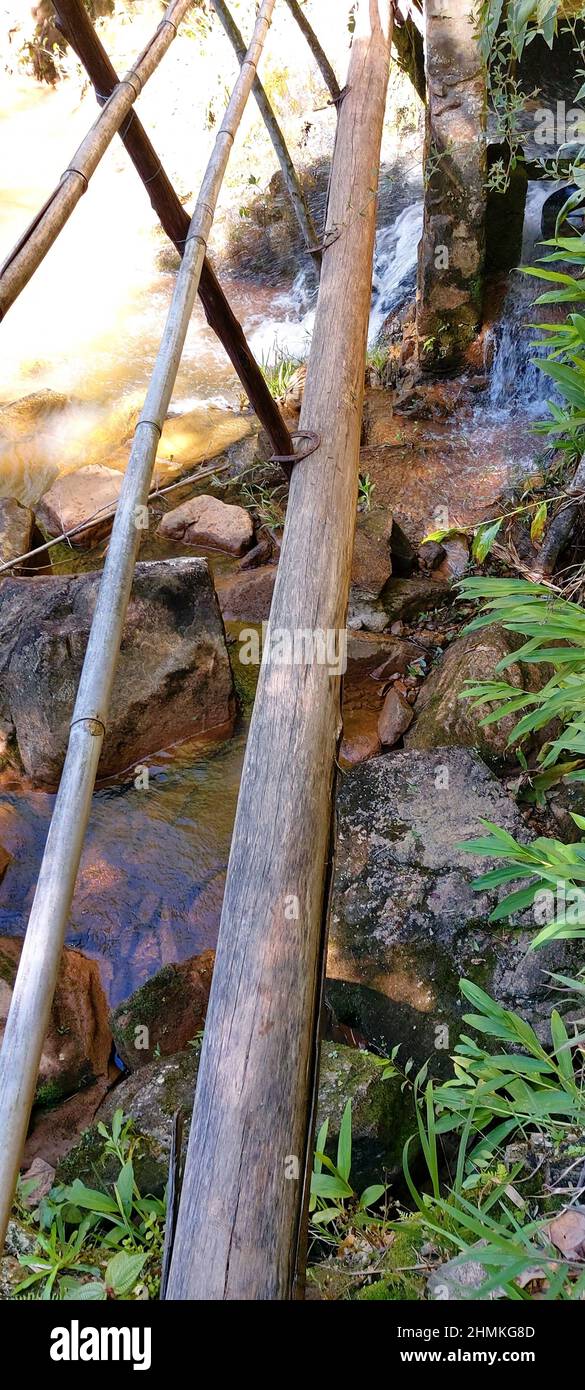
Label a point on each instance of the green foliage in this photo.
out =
(366, 489)
(549, 864)
(333, 1199)
(116, 1238)
(492, 1098)
(555, 633)
(278, 372)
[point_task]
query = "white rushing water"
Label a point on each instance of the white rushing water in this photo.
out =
(287, 332)
(515, 379)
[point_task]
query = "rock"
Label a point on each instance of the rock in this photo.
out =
(39, 1179)
(53, 1131)
(165, 1014)
(371, 661)
(18, 1241)
(456, 558)
(395, 718)
(443, 718)
(77, 1046)
(74, 499)
(406, 924)
(371, 565)
(382, 1117)
(360, 741)
(247, 596)
(151, 1096)
(16, 530)
(564, 799)
(208, 522)
(401, 600)
(454, 1282)
(430, 555)
(19, 418)
(382, 1113)
(173, 678)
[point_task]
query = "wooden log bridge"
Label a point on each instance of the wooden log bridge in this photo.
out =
(245, 1183)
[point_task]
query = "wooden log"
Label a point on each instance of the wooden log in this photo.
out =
(33, 245)
(319, 55)
(34, 987)
(289, 174)
(240, 1216)
(76, 26)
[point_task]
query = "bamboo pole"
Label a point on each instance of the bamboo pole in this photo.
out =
(76, 26)
(37, 240)
(289, 174)
(34, 987)
(240, 1216)
(319, 55)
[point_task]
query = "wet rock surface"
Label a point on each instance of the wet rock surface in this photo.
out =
(406, 923)
(77, 1046)
(173, 678)
(247, 596)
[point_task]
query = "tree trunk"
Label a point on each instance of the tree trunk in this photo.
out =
(289, 174)
(240, 1217)
(452, 249)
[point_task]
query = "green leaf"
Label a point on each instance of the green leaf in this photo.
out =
(324, 1185)
(344, 1144)
(89, 1199)
(95, 1291)
(123, 1272)
(125, 1187)
(371, 1195)
(484, 539)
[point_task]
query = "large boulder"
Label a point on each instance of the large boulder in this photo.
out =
(406, 923)
(209, 523)
(78, 1043)
(165, 1014)
(444, 718)
(173, 678)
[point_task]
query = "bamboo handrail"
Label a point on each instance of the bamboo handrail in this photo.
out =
(36, 979)
(241, 1211)
(43, 231)
(76, 26)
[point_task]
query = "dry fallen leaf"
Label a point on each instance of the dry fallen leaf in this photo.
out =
(567, 1233)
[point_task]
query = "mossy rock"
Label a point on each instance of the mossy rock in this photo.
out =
(245, 674)
(165, 1014)
(382, 1112)
(151, 1097)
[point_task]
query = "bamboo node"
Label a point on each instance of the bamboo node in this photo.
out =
(72, 170)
